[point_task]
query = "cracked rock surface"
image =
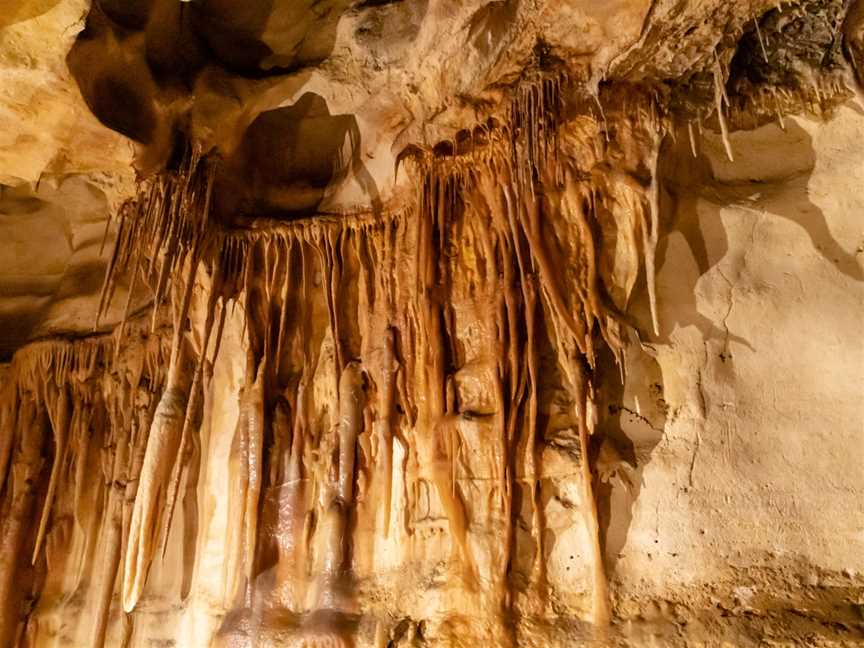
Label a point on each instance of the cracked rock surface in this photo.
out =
(431, 323)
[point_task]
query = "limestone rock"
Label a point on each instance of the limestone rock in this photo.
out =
(431, 323)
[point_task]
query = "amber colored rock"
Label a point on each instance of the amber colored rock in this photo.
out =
(431, 323)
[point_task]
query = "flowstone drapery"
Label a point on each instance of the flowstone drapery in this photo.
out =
(468, 317)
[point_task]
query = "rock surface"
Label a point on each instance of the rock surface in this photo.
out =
(431, 323)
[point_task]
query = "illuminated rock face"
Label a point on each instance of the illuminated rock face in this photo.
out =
(431, 324)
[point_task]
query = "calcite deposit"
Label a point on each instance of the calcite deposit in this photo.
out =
(431, 323)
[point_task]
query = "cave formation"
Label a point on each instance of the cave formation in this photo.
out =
(431, 323)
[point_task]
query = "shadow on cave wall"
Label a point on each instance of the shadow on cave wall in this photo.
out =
(685, 181)
(629, 437)
(287, 160)
(24, 324)
(28, 291)
(624, 442)
(18, 323)
(788, 48)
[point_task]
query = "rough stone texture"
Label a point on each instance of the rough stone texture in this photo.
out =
(60, 174)
(724, 463)
(53, 261)
(47, 128)
(752, 491)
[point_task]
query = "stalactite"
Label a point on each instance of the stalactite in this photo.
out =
(161, 454)
(290, 508)
(780, 118)
(82, 439)
(26, 466)
(133, 476)
(651, 231)
(237, 497)
(350, 406)
(165, 225)
(527, 196)
(433, 416)
(292, 515)
(8, 425)
(155, 472)
(761, 40)
(574, 326)
(600, 611)
(58, 412)
(66, 384)
(113, 533)
(191, 409)
(331, 586)
(254, 469)
(719, 98)
(386, 405)
(692, 139)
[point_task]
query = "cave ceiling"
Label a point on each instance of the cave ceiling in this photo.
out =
(308, 105)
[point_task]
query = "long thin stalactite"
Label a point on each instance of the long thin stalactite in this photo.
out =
(508, 196)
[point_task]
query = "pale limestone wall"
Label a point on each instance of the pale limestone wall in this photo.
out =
(762, 357)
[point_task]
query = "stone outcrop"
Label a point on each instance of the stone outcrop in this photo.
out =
(431, 323)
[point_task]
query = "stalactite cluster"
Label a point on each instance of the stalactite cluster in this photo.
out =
(382, 353)
(75, 422)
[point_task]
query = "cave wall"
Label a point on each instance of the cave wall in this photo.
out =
(749, 500)
(711, 499)
(612, 277)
